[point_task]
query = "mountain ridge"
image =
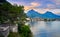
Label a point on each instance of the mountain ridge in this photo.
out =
(35, 14)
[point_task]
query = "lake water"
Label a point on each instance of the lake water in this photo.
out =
(45, 28)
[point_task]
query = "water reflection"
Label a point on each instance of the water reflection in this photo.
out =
(45, 28)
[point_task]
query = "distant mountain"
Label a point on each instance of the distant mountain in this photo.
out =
(33, 14)
(48, 14)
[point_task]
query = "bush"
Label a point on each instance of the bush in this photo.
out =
(24, 31)
(13, 34)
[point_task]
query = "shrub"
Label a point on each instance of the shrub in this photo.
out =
(24, 31)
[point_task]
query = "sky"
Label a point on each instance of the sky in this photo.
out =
(39, 5)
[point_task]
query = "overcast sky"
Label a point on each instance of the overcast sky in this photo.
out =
(38, 5)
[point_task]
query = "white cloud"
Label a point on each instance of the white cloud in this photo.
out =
(57, 2)
(32, 6)
(35, 4)
(51, 6)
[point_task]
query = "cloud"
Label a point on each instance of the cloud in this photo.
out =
(28, 7)
(32, 6)
(18, 3)
(57, 2)
(35, 4)
(42, 11)
(56, 11)
(51, 6)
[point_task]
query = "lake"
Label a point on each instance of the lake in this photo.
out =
(45, 28)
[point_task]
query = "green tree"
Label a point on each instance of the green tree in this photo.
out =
(24, 31)
(10, 12)
(4, 10)
(13, 13)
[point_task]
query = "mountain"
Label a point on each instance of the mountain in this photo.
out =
(48, 14)
(33, 14)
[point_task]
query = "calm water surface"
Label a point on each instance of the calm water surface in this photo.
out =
(45, 29)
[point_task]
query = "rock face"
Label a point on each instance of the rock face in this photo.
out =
(47, 15)
(4, 30)
(14, 28)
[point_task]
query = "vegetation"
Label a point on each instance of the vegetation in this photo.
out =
(13, 34)
(10, 12)
(49, 19)
(13, 14)
(24, 31)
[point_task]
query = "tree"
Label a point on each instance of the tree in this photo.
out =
(4, 10)
(14, 13)
(2, 1)
(10, 12)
